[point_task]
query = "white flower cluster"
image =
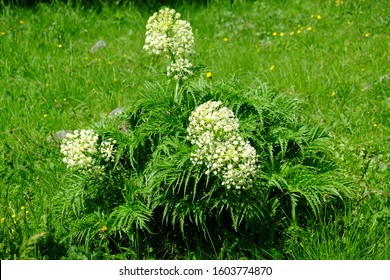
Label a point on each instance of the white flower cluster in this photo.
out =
(80, 150)
(213, 130)
(180, 70)
(107, 149)
(167, 34)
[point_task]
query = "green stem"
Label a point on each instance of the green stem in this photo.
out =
(172, 55)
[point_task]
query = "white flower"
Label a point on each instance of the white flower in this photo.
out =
(180, 70)
(213, 130)
(167, 34)
(79, 149)
(107, 149)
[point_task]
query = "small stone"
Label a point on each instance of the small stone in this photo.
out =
(58, 136)
(124, 126)
(383, 78)
(99, 45)
(117, 111)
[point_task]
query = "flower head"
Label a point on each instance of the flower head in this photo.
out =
(181, 69)
(167, 34)
(79, 149)
(326, 196)
(213, 131)
(107, 149)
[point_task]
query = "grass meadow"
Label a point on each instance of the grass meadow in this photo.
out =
(308, 80)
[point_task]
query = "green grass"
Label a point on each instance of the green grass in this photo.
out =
(337, 65)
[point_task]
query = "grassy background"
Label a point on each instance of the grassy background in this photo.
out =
(334, 55)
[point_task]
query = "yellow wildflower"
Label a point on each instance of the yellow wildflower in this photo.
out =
(318, 17)
(209, 75)
(272, 67)
(2, 220)
(274, 34)
(333, 93)
(59, 46)
(367, 35)
(225, 39)
(21, 22)
(2, 33)
(281, 34)
(45, 115)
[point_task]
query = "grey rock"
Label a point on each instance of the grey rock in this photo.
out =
(383, 78)
(101, 44)
(123, 126)
(58, 136)
(117, 111)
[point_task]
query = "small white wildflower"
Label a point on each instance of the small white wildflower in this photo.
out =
(180, 70)
(107, 149)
